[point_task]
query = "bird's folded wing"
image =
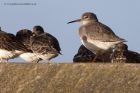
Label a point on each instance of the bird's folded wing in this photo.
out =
(101, 32)
(43, 44)
(9, 42)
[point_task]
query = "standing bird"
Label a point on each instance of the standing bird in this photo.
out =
(44, 44)
(24, 36)
(123, 55)
(96, 36)
(10, 47)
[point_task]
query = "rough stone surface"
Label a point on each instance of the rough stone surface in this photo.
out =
(69, 78)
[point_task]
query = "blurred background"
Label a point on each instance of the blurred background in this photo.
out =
(122, 16)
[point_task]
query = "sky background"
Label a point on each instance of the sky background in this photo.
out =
(122, 16)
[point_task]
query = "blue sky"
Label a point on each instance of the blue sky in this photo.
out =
(123, 16)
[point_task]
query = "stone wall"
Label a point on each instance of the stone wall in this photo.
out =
(69, 78)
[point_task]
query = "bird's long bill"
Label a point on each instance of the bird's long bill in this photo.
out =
(78, 20)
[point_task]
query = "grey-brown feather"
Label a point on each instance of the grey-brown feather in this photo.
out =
(99, 31)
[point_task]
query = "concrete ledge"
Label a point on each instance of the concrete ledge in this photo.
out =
(69, 78)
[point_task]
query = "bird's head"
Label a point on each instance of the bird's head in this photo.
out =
(86, 18)
(37, 30)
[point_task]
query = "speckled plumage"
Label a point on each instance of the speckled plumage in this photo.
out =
(46, 45)
(10, 47)
(123, 55)
(24, 36)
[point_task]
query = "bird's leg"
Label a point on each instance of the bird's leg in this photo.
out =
(94, 60)
(37, 61)
(112, 57)
(97, 55)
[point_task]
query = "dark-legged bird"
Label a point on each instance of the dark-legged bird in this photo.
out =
(96, 36)
(24, 36)
(44, 44)
(123, 55)
(85, 56)
(10, 47)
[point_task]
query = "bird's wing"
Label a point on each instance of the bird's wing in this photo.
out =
(54, 42)
(45, 43)
(24, 37)
(99, 31)
(9, 42)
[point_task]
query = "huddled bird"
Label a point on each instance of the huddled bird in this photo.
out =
(24, 36)
(44, 44)
(123, 55)
(86, 56)
(96, 36)
(10, 47)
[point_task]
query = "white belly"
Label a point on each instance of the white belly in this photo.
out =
(30, 57)
(104, 45)
(91, 47)
(48, 56)
(4, 54)
(96, 45)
